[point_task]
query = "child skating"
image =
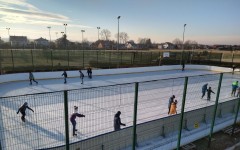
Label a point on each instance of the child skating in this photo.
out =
(65, 76)
(31, 78)
(81, 76)
(22, 110)
(73, 119)
(173, 109)
(209, 91)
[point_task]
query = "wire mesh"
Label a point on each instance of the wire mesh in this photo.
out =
(45, 127)
(41, 129)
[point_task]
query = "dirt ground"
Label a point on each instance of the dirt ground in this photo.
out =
(220, 141)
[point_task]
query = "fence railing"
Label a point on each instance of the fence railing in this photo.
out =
(140, 103)
(52, 60)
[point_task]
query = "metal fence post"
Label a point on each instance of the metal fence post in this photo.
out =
(83, 58)
(215, 109)
(121, 59)
(66, 118)
(236, 116)
(135, 116)
(68, 59)
(12, 60)
(109, 61)
(1, 64)
(32, 60)
(52, 59)
(221, 58)
(182, 113)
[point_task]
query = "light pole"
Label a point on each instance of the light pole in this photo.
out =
(65, 28)
(8, 33)
(183, 35)
(183, 42)
(118, 31)
(82, 36)
(49, 28)
(98, 32)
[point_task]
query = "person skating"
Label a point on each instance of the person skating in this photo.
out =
(65, 76)
(233, 68)
(117, 121)
(31, 78)
(204, 89)
(22, 110)
(73, 117)
(209, 91)
(89, 72)
(81, 76)
(238, 92)
(234, 87)
(173, 109)
(171, 99)
(183, 65)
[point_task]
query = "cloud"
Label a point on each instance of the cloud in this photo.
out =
(19, 11)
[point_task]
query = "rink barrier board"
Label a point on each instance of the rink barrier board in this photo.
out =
(102, 72)
(123, 139)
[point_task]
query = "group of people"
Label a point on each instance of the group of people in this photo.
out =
(89, 72)
(116, 122)
(207, 89)
(172, 105)
(64, 74)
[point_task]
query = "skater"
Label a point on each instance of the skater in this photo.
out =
(183, 65)
(73, 119)
(81, 76)
(65, 76)
(238, 92)
(22, 110)
(234, 87)
(204, 90)
(90, 72)
(171, 99)
(209, 91)
(173, 109)
(117, 121)
(31, 78)
(234, 67)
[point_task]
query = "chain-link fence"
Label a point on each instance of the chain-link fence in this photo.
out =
(52, 60)
(149, 114)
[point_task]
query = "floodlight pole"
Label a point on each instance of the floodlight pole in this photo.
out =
(98, 32)
(118, 31)
(183, 41)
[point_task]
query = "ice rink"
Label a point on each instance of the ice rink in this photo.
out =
(99, 99)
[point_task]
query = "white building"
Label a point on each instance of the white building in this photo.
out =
(18, 41)
(41, 42)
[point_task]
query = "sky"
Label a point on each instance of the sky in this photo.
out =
(208, 21)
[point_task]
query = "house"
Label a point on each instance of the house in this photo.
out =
(41, 42)
(131, 45)
(18, 41)
(102, 44)
(166, 45)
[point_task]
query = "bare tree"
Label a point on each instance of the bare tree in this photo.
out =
(123, 37)
(177, 41)
(190, 44)
(105, 34)
(145, 42)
